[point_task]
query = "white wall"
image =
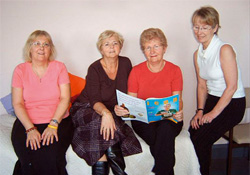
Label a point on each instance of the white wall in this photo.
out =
(76, 25)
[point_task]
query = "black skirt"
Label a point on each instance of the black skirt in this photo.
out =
(87, 141)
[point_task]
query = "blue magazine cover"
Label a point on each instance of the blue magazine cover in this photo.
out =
(149, 110)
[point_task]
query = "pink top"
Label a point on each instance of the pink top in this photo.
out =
(41, 96)
(158, 85)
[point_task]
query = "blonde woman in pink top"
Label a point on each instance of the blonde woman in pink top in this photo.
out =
(42, 132)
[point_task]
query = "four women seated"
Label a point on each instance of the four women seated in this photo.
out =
(100, 136)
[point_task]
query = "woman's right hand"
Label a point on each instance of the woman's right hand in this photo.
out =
(120, 111)
(195, 122)
(33, 139)
(107, 126)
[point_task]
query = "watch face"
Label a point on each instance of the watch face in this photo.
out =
(55, 121)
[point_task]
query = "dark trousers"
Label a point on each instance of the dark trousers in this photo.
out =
(204, 137)
(48, 160)
(160, 136)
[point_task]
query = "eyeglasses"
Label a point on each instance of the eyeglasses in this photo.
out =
(115, 43)
(203, 28)
(38, 44)
(156, 48)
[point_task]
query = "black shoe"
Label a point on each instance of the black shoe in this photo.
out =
(100, 168)
(116, 160)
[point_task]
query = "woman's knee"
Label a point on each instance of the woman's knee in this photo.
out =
(166, 128)
(146, 132)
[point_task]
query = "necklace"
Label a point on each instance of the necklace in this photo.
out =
(111, 73)
(155, 71)
(39, 74)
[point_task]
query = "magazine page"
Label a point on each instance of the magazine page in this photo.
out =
(162, 108)
(135, 106)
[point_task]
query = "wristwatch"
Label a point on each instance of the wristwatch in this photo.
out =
(55, 121)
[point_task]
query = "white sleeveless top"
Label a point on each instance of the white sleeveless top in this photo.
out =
(210, 69)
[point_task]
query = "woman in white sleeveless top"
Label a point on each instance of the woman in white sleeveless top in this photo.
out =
(221, 98)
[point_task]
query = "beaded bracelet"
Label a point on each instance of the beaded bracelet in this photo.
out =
(53, 127)
(28, 130)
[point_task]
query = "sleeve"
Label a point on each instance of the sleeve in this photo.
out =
(173, 111)
(125, 67)
(133, 82)
(17, 79)
(129, 66)
(177, 83)
(159, 112)
(93, 86)
(63, 75)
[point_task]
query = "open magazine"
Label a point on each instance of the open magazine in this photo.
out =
(149, 110)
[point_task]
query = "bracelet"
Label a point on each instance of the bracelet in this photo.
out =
(53, 127)
(28, 130)
(199, 109)
(55, 121)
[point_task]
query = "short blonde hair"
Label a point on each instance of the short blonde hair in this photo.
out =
(152, 33)
(31, 39)
(107, 34)
(208, 15)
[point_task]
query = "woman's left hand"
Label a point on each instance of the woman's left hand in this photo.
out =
(108, 126)
(120, 111)
(48, 136)
(178, 116)
(207, 118)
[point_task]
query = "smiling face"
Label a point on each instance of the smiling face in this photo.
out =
(154, 51)
(203, 32)
(40, 49)
(110, 47)
(167, 106)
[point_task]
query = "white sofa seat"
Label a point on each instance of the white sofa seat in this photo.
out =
(139, 164)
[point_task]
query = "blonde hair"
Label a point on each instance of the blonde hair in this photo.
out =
(107, 34)
(31, 39)
(208, 15)
(152, 33)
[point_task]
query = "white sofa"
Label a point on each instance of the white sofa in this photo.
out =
(140, 164)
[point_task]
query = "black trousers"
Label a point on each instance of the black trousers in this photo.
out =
(48, 160)
(160, 136)
(204, 137)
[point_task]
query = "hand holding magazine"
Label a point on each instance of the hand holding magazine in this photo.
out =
(149, 110)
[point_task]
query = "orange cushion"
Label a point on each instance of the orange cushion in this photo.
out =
(77, 84)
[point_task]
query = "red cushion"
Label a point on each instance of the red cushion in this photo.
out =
(77, 84)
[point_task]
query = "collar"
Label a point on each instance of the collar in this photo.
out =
(205, 54)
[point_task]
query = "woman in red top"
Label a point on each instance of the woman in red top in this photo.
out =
(42, 132)
(158, 78)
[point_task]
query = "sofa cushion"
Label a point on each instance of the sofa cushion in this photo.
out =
(7, 104)
(77, 84)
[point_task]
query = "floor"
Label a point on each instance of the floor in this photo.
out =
(240, 166)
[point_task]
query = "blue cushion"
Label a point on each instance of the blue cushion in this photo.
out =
(7, 104)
